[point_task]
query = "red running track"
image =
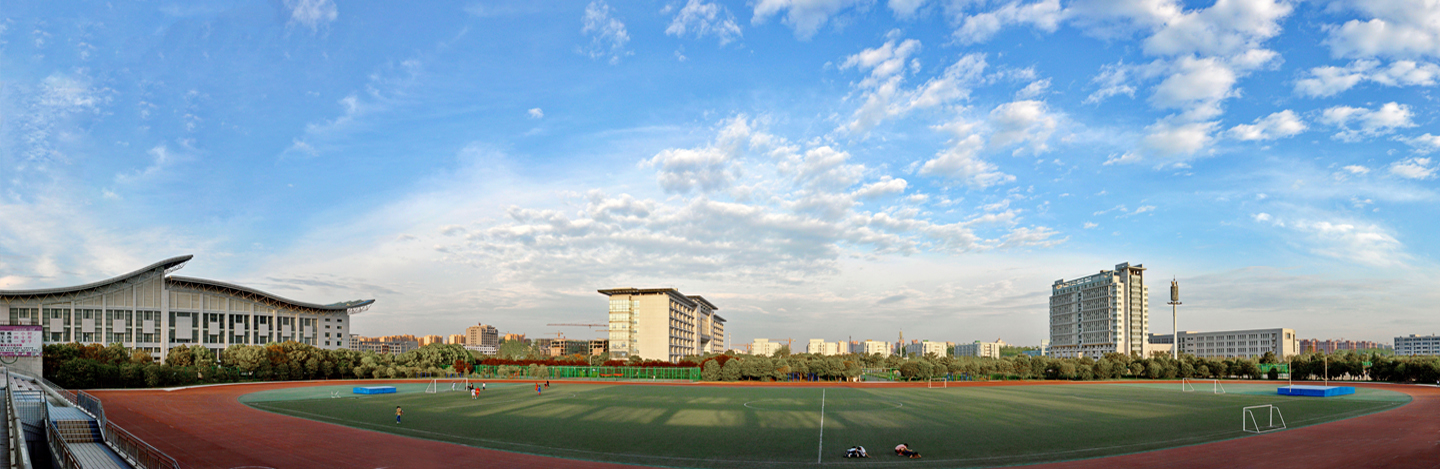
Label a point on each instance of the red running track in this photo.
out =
(208, 427)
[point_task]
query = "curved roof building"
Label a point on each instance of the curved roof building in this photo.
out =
(152, 310)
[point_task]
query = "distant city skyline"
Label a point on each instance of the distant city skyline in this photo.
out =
(817, 169)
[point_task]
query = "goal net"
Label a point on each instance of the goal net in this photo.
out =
(1189, 385)
(939, 383)
(1250, 419)
(442, 385)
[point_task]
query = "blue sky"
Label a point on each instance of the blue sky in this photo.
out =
(818, 169)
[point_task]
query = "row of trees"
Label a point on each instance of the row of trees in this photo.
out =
(94, 366)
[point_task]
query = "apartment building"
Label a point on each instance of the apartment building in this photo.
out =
(764, 347)
(821, 347)
(979, 349)
(922, 348)
(482, 334)
(1335, 345)
(1100, 313)
(662, 324)
(875, 346)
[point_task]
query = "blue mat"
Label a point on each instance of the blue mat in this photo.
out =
(1315, 391)
(374, 390)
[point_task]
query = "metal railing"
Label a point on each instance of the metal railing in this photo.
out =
(140, 453)
(59, 451)
(19, 453)
(127, 445)
(91, 404)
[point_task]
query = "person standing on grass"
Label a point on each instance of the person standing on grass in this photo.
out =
(482, 385)
(398, 413)
(537, 389)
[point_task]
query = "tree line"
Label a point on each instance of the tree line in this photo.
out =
(80, 366)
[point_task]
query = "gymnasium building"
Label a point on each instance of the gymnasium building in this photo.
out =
(152, 310)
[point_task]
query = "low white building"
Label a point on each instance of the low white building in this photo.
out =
(1418, 345)
(924, 348)
(1230, 344)
(979, 349)
(874, 346)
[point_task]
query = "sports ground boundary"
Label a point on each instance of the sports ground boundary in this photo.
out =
(208, 427)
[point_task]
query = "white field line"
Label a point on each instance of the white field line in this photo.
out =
(821, 451)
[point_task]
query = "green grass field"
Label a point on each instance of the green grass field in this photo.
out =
(703, 426)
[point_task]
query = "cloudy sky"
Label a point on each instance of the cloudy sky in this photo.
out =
(817, 169)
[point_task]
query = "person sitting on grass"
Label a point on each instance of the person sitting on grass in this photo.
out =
(856, 451)
(904, 450)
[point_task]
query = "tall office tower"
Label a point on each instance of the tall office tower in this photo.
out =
(1101, 313)
(662, 324)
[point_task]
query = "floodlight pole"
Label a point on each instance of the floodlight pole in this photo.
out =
(1174, 329)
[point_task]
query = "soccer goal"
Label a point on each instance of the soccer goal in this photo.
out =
(334, 394)
(939, 383)
(457, 384)
(1250, 422)
(1188, 385)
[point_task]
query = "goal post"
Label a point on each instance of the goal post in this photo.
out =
(434, 386)
(1188, 385)
(939, 382)
(1250, 419)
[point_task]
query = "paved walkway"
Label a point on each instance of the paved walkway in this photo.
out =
(210, 428)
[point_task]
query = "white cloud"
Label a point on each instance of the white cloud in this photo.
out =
(1362, 243)
(705, 19)
(1225, 28)
(883, 93)
(1358, 123)
(1171, 139)
(1034, 90)
(607, 33)
(312, 14)
(1044, 15)
(1395, 28)
(1424, 144)
(708, 168)
(1025, 122)
(905, 9)
(1357, 169)
(961, 161)
(1263, 217)
(1091, 225)
(1278, 125)
(1196, 83)
(535, 113)
(1414, 168)
(885, 186)
(161, 158)
(806, 17)
(1330, 80)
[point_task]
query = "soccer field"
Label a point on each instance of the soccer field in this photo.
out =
(711, 426)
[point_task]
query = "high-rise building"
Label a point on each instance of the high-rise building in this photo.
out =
(662, 324)
(1101, 313)
(874, 346)
(1418, 345)
(457, 339)
(431, 339)
(482, 335)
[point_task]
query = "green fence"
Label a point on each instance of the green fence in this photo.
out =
(586, 372)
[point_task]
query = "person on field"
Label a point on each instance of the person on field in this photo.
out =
(856, 451)
(547, 384)
(537, 389)
(398, 413)
(904, 450)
